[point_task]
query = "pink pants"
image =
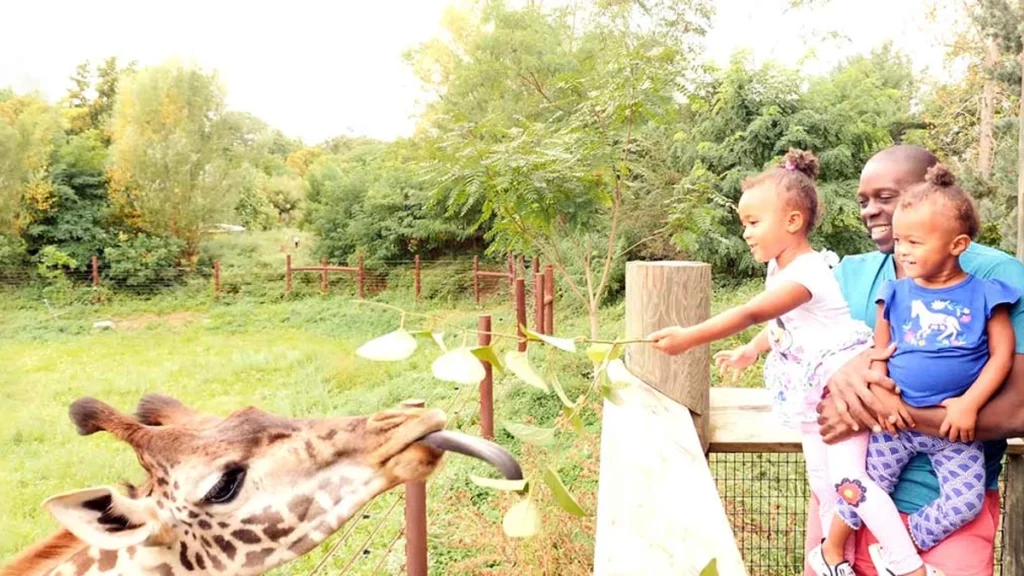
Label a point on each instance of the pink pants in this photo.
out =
(839, 470)
(967, 552)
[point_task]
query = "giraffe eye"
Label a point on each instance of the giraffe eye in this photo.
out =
(227, 488)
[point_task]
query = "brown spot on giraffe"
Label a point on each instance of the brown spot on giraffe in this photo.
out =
(246, 536)
(183, 558)
(253, 559)
(226, 546)
(107, 560)
(165, 570)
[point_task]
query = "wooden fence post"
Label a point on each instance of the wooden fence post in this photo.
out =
(1013, 522)
(216, 278)
(323, 275)
(416, 277)
(549, 300)
(415, 519)
(520, 292)
(538, 302)
(362, 277)
(483, 326)
(476, 279)
(95, 272)
(658, 508)
(288, 274)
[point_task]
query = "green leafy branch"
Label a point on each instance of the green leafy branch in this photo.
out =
(464, 365)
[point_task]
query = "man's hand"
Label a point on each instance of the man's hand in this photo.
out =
(672, 340)
(960, 420)
(852, 405)
(895, 417)
(736, 360)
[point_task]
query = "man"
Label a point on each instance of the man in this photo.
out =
(851, 406)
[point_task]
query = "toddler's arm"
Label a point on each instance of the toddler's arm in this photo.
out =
(1001, 345)
(882, 339)
(767, 305)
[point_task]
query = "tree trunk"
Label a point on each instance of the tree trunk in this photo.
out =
(986, 141)
(1020, 169)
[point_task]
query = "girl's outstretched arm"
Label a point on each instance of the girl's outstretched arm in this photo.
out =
(767, 305)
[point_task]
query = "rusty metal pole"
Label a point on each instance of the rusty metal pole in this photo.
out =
(288, 274)
(415, 519)
(483, 326)
(323, 275)
(362, 277)
(416, 277)
(95, 272)
(521, 312)
(216, 278)
(476, 279)
(538, 302)
(549, 300)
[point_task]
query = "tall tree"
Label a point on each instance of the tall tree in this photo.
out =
(172, 171)
(550, 121)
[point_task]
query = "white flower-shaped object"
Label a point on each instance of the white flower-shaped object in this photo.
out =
(830, 257)
(940, 304)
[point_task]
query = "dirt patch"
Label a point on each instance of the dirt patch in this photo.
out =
(174, 320)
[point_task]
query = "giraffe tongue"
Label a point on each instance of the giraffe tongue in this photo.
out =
(465, 444)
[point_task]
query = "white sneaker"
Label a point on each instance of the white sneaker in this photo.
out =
(816, 560)
(880, 559)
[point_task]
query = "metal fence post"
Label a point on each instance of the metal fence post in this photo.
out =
(483, 326)
(415, 519)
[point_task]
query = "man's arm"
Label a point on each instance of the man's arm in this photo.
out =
(1001, 418)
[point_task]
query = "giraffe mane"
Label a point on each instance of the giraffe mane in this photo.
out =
(44, 555)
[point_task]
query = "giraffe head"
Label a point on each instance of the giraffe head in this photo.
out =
(245, 493)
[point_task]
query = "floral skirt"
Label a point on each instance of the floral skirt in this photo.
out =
(797, 376)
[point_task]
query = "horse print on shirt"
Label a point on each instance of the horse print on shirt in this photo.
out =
(944, 320)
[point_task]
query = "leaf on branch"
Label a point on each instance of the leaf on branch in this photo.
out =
(531, 434)
(437, 337)
(391, 347)
(567, 344)
(711, 569)
(499, 483)
(574, 418)
(458, 365)
(611, 394)
(561, 493)
(561, 393)
(621, 377)
(519, 364)
(487, 354)
(522, 520)
(599, 352)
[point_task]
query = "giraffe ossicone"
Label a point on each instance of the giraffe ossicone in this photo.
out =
(237, 495)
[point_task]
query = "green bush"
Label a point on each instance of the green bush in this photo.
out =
(143, 260)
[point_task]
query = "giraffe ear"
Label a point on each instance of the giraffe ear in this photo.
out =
(106, 519)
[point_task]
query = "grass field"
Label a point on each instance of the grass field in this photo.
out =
(294, 357)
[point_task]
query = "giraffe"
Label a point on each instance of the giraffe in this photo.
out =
(238, 495)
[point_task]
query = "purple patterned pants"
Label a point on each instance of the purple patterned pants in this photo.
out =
(961, 470)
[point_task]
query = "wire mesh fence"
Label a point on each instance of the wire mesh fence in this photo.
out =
(766, 497)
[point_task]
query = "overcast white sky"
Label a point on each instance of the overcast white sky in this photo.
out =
(318, 69)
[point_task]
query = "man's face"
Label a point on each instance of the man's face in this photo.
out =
(880, 185)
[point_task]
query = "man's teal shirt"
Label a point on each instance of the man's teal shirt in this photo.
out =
(860, 277)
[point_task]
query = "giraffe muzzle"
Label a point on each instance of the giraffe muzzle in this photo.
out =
(493, 454)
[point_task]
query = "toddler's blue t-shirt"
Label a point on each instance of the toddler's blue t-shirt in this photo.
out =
(941, 335)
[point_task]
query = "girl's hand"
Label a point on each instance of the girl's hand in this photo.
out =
(895, 416)
(736, 360)
(961, 417)
(672, 340)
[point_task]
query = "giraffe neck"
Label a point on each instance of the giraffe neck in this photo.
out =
(91, 561)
